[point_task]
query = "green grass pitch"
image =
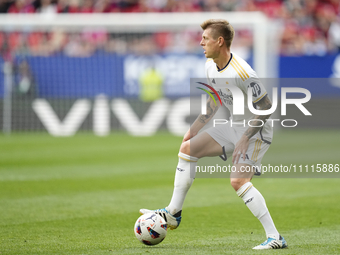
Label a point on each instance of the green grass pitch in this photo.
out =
(81, 195)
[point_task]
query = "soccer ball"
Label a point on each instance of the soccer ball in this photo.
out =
(150, 229)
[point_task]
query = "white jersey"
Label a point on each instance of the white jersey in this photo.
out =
(237, 73)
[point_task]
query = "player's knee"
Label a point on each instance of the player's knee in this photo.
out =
(185, 148)
(237, 183)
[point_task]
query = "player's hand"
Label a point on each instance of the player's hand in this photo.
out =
(240, 149)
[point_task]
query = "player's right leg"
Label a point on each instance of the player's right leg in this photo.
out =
(199, 146)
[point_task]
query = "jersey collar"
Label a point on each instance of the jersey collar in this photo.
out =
(220, 70)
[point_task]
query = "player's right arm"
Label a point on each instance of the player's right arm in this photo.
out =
(202, 119)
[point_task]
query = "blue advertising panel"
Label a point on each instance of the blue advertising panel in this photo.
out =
(62, 76)
(123, 75)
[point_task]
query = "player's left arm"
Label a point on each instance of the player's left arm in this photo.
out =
(258, 120)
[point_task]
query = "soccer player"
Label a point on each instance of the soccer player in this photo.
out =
(246, 144)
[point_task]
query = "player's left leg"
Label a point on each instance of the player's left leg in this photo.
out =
(241, 181)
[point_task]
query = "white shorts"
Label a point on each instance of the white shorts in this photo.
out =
(228, 136)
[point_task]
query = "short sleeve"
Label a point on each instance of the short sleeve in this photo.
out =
(257, 88)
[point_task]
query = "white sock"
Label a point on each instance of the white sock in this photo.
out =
(183, 181)
(257, 205)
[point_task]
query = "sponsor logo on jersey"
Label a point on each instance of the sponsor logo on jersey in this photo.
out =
(180, 169)
(227, 98)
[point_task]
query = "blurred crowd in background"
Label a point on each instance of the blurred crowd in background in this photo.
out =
(310, 27)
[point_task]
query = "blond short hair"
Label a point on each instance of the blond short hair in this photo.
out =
(220, 27)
